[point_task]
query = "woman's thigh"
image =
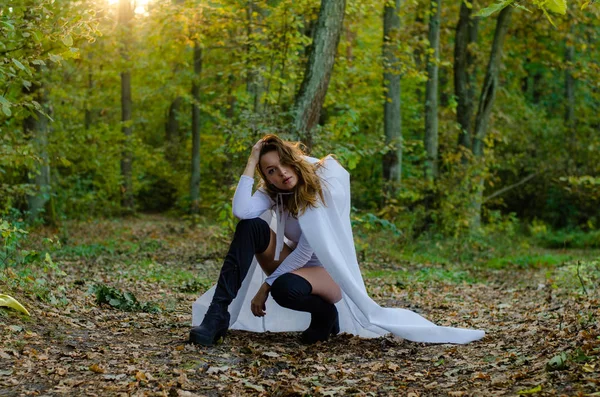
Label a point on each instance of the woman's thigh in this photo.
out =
(265, 259)
(322, 283)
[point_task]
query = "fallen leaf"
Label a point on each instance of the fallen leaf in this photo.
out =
(254, 387)
(216, 370)
(96, 368)
(536, 389)
(9, 301)
(271, 354)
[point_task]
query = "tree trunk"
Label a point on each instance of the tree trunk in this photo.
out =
(35, 127)
(90, 91)
(311, 95)
(490, 84)
(125, 16)
(466, 33)
(431, 93)
(486, 102)
(392, 120)
(172, 132)
(569, 85)
(195, 177)
(254, 83)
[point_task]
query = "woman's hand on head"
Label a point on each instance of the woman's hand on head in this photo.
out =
(255, 154)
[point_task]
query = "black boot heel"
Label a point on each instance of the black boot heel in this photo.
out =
(213, 327)
(321, 330)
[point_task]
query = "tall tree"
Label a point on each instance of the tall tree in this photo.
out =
(311, 95)
(569, 81)
(431, 92)
(486, 103)
(125, 17)
(464, 86)
(172, 131)
(195, 176)
(392, 119)
(35, 127)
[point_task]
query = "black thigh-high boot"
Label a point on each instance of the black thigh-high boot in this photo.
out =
(294, 292)
(252, 236)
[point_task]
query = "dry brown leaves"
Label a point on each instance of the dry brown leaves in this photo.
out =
(82, 349)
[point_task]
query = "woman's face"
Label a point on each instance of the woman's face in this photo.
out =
(282, 176)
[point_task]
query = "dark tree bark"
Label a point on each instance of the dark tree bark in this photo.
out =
(486, 102)
(311, 95)
(392, 119)
(90, 90)
(431, 93)
(569, 87)
(172, 132)
(35, 127)
(125, 16)
(490, 84)
(464, 87)
(195, 176)
(254, 80)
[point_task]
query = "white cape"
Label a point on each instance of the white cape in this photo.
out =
(329, 233)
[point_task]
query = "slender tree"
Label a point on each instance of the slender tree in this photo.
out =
(195, 176)
(464, 86)
(35, 127)
(569, 82)
(173, 132)
(125, 17)
(311, 95)
(486, 102)
(392, 119)
(431, 92)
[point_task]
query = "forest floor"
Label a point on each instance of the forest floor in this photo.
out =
(542, 330)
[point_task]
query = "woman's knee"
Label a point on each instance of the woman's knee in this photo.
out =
(257, 230)
(252, 224)
(289, 287)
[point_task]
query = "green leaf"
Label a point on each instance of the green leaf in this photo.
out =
(67, 40)
(10, 27)
(557, 6)
(486, 12)
(557, 362)
(536, 389)
(20, 65)
(6, 110)
(4, 101)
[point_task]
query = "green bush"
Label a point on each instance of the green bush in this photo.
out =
(569, 239)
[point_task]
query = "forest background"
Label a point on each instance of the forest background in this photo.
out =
(471, 132)
(109, 109)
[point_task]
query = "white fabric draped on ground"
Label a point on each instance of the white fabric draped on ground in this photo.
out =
(329, 233)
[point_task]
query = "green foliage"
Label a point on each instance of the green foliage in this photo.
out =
(581, 275)
(25, 269)
(251, 70)
(120, 300)
(569, 239)
(528, 261)
(426, 275)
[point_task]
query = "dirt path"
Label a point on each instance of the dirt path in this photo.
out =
(81, 348)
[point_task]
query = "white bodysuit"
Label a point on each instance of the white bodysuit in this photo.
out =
(247, 206)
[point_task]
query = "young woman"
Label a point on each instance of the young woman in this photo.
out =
(295, 277)
(308, 201)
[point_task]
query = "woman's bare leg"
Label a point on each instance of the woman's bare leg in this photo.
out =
(265, 259)
(322, 283)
